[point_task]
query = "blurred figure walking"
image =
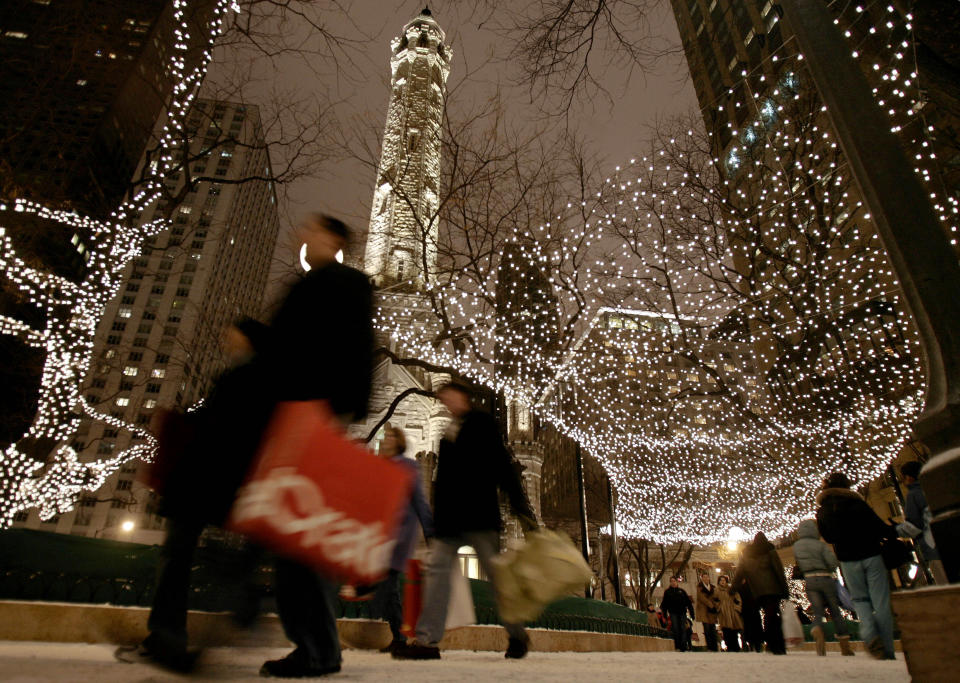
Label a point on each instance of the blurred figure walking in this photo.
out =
(818, 563)
(321, 349)
(916, 524)
(472, 465)
(857, 534)
(676, 604)
(387, 601)
(731, 623)
(200, 484)
(761, 570)
(708, 610)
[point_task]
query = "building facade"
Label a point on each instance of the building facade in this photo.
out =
(158, 344)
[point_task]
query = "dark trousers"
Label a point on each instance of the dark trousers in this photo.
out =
(772, 626)
(168, 617)
(731, 637)
(710, 636)
(752, 627)
(678, 627)
(307, 606)
(388, 603)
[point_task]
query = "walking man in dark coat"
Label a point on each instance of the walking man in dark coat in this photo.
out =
(199, 486)
(676, 603)
(762, 572)
(471, 466)
(321, 349)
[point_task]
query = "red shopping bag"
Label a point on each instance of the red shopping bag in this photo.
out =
(316, 497)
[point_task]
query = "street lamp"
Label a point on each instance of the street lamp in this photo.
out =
(127, 526)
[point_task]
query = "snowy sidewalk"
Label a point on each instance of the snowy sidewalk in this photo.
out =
(24, 661)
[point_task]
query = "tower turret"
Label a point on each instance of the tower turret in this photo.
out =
(401, 244)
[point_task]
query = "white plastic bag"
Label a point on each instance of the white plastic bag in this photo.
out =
(546, 567)
(792, 628)
(460, 611)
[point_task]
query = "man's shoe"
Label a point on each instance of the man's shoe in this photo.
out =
(295, 666)
(517, 648)
(394, 644)
(165, 653)
(416, 650)
(875, 648)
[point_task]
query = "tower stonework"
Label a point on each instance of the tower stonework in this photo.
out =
(401, 245)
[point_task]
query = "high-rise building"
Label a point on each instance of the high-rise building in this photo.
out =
(722, 39)
(158, 344)
(404, 215)
(82, 85)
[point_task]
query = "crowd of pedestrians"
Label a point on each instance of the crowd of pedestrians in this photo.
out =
(319, 347)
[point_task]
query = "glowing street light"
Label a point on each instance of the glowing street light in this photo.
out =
(127, 526)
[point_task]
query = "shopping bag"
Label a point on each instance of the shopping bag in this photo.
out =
(316, 497)
(460, 610)
(792, 628)
(545, 567)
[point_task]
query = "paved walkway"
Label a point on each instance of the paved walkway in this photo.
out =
(24, 661)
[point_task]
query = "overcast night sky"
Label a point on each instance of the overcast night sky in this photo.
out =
(616, 130)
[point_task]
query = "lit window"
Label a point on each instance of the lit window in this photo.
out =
(130, 371)
(81, 81)
(158, 372)
(124, 312)
(20, 35)
(123, 401)
(150, 403)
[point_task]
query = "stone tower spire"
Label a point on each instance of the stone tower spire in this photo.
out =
(401, 245)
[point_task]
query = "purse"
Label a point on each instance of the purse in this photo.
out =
(895, 553)
(318, 498)
(796, 574)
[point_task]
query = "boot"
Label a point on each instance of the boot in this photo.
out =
(820, 640)
(845, 648)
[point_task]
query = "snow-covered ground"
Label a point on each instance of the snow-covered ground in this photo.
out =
(78, 662)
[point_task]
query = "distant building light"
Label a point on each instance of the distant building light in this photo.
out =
(81, 81)
(20, 35)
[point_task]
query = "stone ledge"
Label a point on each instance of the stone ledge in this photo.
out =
(81, 623)
(929, 621)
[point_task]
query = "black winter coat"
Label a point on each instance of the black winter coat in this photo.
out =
(676, 601)
(846, 521)
(321, 341)
(762, 571)
(227, 430)
(470, 470)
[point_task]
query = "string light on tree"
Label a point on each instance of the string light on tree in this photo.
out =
(52, 483)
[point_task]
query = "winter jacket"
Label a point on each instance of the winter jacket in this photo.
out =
(226, 433)
(760, 568)
(416, 514)
(730, 608)
(850, 525)
(470, 470)
(321, 341)
(676, 601)
(708, 603)
(917, 513)
(812, 555)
